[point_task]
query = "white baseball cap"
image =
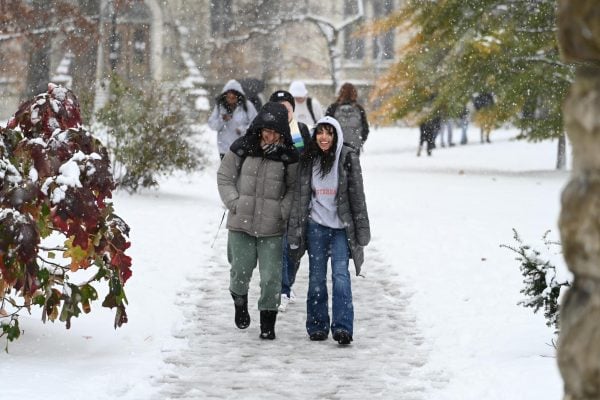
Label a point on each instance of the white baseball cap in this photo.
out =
(298, 89)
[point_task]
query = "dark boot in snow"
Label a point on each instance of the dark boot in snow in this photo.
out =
(342, 337)
(267, 324)
(318, 336)
(242, 318)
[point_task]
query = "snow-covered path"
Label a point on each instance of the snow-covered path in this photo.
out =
(223, 362)
(436, 316)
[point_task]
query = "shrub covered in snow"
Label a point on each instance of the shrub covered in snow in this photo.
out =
(148, 135)
(55, 216)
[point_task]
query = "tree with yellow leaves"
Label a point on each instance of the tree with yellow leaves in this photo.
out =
(460, 48)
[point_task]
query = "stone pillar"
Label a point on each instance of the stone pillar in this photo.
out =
(156, 39)
(579, 341)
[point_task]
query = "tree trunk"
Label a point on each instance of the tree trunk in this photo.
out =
(579, 341)
(561, 153)
(38, 71)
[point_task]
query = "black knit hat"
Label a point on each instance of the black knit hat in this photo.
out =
(282, 95)
(272, 116)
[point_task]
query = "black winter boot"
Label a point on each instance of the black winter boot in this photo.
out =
(267, 324)
(342, 337)
(242, 318)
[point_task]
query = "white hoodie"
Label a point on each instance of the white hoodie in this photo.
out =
(323, 204)
(229, 131)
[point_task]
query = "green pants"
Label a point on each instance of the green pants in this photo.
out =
(243, 251)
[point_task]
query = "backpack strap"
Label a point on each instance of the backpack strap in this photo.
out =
(310, 109)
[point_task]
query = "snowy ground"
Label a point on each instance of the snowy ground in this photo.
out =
(436, 314)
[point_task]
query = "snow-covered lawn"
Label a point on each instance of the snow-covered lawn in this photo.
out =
(436, 313)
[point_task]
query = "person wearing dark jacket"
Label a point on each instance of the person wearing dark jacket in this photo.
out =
(429, 130)
(301, 139)
(351, 116)
(329, 219)
(255, 181)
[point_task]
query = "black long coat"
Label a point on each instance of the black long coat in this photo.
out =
(351, 205)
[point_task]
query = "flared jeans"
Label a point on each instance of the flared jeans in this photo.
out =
(323, 244)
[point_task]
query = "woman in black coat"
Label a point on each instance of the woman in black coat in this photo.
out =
(329, 219)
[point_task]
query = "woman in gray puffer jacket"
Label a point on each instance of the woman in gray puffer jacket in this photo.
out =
(255, 181)
(329, 219)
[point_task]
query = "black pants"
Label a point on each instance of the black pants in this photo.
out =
(429, 131)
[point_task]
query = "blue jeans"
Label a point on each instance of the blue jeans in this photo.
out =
(289, 269)
(323, 243)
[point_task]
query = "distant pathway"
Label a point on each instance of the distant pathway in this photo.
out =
(385, 361)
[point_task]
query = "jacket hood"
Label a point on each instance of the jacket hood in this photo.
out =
(233, 85)
(340, 134)
(271, 116)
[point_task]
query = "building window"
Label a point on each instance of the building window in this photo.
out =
(354, 47)
(383, 45)
(139, 45)
(115, 50)
(221, 20)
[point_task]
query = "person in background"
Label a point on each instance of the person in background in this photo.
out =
(447, 126)
(308, 110)
(255, 181)
(301, 139)
(231, 116)
(429, 129)
(464, 125)
(351, 116)
(329, 219)
(484, 114)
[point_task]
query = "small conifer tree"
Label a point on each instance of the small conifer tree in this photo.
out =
(542, 286)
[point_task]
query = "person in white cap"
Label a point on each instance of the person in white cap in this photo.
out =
(308, 109)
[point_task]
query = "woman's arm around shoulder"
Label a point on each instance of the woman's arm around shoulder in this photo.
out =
(290, 185)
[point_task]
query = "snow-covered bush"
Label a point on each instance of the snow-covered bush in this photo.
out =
(56, 222)
(543, 283)
(148, 135)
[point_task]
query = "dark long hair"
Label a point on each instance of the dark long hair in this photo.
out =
(241, 100)
(314, 152)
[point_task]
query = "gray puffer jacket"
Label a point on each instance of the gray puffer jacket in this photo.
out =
(256, 187)
(351, 205)
(259, 201)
